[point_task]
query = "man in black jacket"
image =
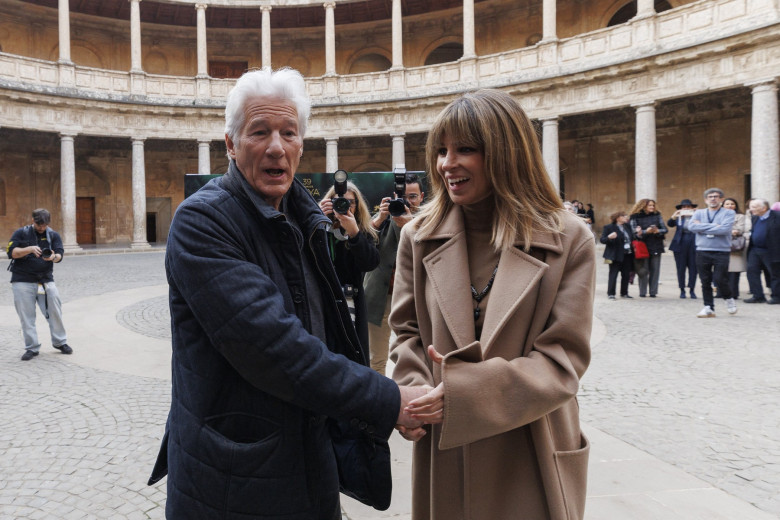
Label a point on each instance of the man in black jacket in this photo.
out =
(764, 251)
(266, 362)
(34, 250)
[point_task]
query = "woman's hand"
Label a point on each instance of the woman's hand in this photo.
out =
(348, 224)
(612, 236)
(326, 206)
(429, 408)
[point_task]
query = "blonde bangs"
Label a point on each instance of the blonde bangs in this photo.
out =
(525, 198)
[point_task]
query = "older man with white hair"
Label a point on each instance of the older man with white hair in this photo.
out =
(764, 251)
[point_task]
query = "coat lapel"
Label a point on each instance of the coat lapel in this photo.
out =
(447, 270)
(518, 273)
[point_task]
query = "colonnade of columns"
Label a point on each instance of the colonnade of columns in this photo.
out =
(549, 33)
(764, 146)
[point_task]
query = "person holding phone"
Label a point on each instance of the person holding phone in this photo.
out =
(684, 247)
(648, 224)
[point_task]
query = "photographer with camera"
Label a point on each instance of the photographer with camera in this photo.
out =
(352, 244)
(394, 213)
(33, 251)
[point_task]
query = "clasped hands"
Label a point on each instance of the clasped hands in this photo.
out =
(421, 405)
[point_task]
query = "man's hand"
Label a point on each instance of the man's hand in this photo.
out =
(410, 429)
(384, 213)
(404, 219)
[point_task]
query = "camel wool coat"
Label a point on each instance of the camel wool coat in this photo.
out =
(510, 398)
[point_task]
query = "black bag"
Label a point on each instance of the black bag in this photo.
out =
(364, 465)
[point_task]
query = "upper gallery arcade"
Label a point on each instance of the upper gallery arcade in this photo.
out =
(106, 104)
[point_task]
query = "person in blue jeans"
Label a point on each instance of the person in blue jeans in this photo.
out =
(712, 227)
(33, 251)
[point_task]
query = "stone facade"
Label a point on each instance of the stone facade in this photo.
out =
(702, 75)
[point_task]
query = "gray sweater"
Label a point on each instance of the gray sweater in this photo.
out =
(712, 228)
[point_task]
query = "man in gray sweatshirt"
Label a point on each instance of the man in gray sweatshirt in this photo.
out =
(712, 226)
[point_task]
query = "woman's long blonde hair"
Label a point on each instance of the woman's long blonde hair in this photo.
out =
(525, 198)
(362, 216)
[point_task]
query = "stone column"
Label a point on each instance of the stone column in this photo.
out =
(645, 166)
(764, 142)
(469, 49)
(398, 36)
(204, 157)
(64, 29)
(139, 195)
(399, 154)
(330, 39)
(331, 154)
(549, 21)
(135, 36)
(68, 192)
(266, 35)
(550, 152)
(645, 8)
(203, 62)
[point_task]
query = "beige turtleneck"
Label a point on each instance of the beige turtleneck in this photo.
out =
(483, 257)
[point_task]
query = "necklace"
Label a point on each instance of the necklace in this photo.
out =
(478, 296)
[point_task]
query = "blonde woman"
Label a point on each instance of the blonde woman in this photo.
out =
(352, 244)
(492, 308)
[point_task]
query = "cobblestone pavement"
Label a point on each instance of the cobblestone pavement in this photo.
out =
(78, 442)
(701, 394)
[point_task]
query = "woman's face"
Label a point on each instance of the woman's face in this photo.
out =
(729, 204)
(462, 167)
(650, 208)
(622, 219)
(352, 202)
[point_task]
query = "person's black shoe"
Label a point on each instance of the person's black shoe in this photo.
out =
(773, 301)
(28, 355)
(693, 295)
(682, 294)
(65, 349)
(652, 296)
(755, 300)
(626, 296)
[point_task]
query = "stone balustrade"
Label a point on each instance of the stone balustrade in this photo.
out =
(694, 42)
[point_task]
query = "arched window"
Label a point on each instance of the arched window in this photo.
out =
(445, 53)
(628, 11)
(369, 63)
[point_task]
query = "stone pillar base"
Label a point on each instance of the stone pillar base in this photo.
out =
(140, 245)
(72, 248)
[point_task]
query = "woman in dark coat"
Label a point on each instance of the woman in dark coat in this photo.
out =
(353, 249)
(617, 238)
(649, 227)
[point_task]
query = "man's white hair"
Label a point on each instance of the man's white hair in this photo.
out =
(284, 83)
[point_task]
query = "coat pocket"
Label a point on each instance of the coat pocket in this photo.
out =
(572, 468)
(262, 465)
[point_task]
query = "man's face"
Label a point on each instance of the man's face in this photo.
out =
(713, 200)
(757, 208)
(414, 196)
(40, 228)
(268, 148)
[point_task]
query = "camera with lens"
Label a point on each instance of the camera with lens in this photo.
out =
(340, 203)
(397, 206)
(46, 252)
